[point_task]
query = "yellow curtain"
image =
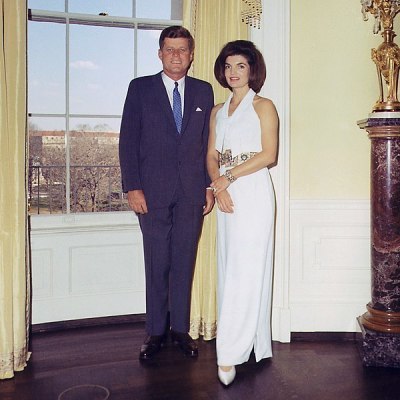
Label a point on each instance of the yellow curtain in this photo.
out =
(14, 270)
(212, 23)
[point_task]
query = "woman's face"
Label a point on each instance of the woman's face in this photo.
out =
(237, 71)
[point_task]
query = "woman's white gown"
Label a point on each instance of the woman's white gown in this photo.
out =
(244, 244)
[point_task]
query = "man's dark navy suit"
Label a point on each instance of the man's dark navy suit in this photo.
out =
(170, 168)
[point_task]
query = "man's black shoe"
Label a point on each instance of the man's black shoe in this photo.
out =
(186, 343)
(151, 346)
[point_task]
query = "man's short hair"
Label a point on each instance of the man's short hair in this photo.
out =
(175, 32)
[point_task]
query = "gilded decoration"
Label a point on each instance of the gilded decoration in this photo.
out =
(387, 56)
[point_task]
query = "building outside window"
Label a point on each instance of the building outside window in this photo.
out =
(82, 55)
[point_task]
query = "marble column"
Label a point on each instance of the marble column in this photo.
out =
(380, 325)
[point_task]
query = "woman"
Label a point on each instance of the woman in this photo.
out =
(243, 144)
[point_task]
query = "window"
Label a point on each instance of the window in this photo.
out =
(82, 55)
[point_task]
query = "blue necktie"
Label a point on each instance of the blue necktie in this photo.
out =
(177, 107)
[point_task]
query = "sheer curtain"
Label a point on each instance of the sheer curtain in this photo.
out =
(14, 262)
(212, 23)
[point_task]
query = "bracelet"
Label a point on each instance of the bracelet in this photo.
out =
(228, 175)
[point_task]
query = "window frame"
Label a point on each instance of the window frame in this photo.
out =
(67, 18)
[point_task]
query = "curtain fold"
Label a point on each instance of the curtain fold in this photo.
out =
(212, 24)
(14, 251)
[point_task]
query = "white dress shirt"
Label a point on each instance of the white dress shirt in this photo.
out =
(170, 86)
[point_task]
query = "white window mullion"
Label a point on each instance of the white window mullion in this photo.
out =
(134, 50)
(67, 136)
(135, 46)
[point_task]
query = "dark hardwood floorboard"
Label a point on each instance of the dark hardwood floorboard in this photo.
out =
(108, 356)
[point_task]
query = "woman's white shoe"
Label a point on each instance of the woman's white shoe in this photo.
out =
(226, 377)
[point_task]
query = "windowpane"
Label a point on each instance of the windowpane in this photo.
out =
(120, 8)
(46, 177)
(156, 9)
(101, 66)
(53, 5)
(95, 172)
(95, 124)
(148, 61)
(46, 74)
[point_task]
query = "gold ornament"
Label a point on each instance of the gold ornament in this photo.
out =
(387, 56)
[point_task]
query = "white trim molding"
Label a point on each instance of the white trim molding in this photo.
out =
(273, 40)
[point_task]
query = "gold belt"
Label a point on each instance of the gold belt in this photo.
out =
(225, 158)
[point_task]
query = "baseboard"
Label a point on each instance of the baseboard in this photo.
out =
(87, 322)
(325, 336)
(141, 318)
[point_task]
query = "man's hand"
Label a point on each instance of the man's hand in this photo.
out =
(137, 201)
(210, 200)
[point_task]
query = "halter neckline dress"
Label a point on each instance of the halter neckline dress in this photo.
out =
(244, 242)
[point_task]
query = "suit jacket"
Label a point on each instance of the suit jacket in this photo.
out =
(153, 155)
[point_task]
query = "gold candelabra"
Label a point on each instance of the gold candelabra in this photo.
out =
(387, 56)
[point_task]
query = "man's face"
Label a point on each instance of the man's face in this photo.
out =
(176, 57)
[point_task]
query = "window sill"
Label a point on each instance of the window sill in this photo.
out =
(83, 222)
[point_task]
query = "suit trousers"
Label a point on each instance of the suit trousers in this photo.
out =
(170, 240)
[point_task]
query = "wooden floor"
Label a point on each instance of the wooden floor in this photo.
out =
(108, 356)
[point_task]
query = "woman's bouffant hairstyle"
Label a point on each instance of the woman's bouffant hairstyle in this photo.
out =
(247, 49)
(175, 32)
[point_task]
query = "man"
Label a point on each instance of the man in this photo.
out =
(163, 145)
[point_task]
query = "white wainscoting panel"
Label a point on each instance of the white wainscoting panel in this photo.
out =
(85, 266)
(329, 264)
(91, 265)
(43, 279)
